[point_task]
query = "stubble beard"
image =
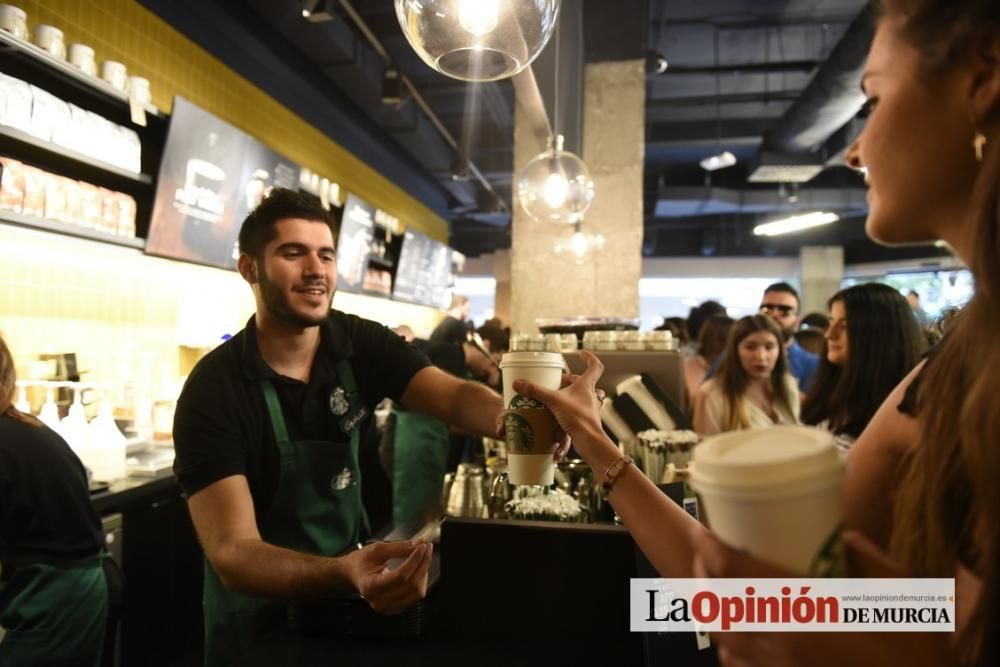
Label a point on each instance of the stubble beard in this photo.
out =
(278, 306)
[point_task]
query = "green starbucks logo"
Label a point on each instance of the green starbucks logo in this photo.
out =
(520, 435)
(520, 401)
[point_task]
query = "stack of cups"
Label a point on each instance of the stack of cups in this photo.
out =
(774, 492)
(529, 427)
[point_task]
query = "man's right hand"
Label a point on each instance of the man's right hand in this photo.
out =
(390, 591)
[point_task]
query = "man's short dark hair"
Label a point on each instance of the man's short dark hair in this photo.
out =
(787, 289)
(258, 227)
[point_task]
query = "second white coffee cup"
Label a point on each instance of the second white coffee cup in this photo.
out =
(529, 425)
(772, 491)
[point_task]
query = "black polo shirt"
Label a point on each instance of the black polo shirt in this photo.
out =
(45, 508)
(222, 428)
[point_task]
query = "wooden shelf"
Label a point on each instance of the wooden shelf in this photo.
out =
(31, 222)
(21, 144)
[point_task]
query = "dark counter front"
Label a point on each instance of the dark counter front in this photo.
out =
(509, 593)
(161, 561)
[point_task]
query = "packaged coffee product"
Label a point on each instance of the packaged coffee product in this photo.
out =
(11, 184)
(126, 216)
(74, 203)
(109, 211)
(55, 197)
(17, 102)
(34, 192)
(91, 205)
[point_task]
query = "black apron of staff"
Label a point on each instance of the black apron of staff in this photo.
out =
(53, 612)
(316, 509)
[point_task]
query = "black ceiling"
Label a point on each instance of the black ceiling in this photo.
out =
(747, 76)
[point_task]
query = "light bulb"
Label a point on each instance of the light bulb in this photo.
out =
(579, 244)
(478, 17)
(478, 40)
(556, 190)
(555, 186)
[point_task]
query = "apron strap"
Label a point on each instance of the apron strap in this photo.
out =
(274, 410)
(346, 377)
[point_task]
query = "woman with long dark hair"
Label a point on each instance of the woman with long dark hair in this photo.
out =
(873, 341)
(53, 591)
(921, 480)
(753, 387)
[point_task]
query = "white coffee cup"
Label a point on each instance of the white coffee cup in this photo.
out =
(529, 425)
(116, 74)
(51, 39)
(82, 57)
(14, 20)
(138, 87)
(773, 491)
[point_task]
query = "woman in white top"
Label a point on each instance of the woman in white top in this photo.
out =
(752, 387)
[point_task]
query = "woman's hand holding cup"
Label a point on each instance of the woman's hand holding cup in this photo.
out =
(576, 406)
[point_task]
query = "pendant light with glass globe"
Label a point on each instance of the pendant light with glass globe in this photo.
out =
(555, 186)
(477, 40)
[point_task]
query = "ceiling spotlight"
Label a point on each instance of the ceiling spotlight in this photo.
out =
(460, 168)
(394, 93)
(655, 63)
(795, 223)
(720, 161)
(317, 11)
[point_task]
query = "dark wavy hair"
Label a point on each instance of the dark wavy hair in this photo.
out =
(884, 343)
(946, 509)
(258, 227)
(734, 380)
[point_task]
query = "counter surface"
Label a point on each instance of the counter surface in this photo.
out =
(131, 489)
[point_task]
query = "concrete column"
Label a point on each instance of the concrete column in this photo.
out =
(605, 283)
(501, 271)
(822, 273)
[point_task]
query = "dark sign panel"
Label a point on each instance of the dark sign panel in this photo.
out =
(211, 176)
(424, 271)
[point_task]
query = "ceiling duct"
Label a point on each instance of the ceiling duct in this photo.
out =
(832, 98)
(691, 202)
(779, 168)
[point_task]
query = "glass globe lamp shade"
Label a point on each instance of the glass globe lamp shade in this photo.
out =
(555, 186)
(478, 40)
(579, 243)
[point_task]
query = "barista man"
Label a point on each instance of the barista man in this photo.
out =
(267, 430)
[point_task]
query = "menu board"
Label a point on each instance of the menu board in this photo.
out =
(211, 175)
(424, 271)
(357, 231)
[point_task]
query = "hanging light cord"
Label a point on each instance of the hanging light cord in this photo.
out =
(419, 99)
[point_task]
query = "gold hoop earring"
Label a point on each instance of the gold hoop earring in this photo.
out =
(978, 143)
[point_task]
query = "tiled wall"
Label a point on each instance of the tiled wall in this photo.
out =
(123, 30)
(120, 310)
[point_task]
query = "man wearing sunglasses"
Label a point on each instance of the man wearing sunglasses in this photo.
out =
(781, 303)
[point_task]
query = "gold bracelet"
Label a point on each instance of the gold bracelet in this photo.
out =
(612, 473)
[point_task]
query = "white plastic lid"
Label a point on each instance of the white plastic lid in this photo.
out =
(532, 359)
(764, 458)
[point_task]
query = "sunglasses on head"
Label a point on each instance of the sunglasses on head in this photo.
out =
(781, 309)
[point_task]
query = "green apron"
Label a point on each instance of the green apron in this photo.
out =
(53, 612)
(420, 455)
(317, 509)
